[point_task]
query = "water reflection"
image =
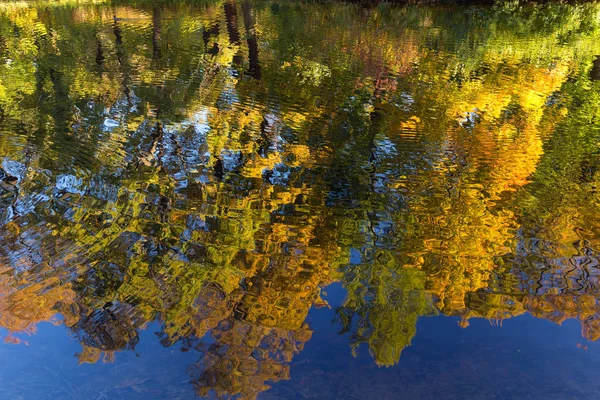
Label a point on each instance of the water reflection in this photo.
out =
(212, 166)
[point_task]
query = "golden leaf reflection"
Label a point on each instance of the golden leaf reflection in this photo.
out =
(213, 165)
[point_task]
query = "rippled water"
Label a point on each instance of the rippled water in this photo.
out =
(297, 200)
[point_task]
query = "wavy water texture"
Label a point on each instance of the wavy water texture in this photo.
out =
(214, 165)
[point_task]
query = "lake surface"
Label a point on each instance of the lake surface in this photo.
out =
(299, 200)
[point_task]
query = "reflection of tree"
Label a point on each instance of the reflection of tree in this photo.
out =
(556, 255)
(170, 174)
(109, 329)
(383, 313)
(245, 356)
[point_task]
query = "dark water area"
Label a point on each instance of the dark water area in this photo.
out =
(299, 200)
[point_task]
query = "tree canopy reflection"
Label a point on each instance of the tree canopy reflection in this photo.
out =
(214, 165)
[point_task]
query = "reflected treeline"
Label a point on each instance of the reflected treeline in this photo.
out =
(213, 165)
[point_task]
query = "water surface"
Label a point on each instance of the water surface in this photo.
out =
(298, 200)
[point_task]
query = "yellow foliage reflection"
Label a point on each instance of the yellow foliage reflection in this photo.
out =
(214, 165)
